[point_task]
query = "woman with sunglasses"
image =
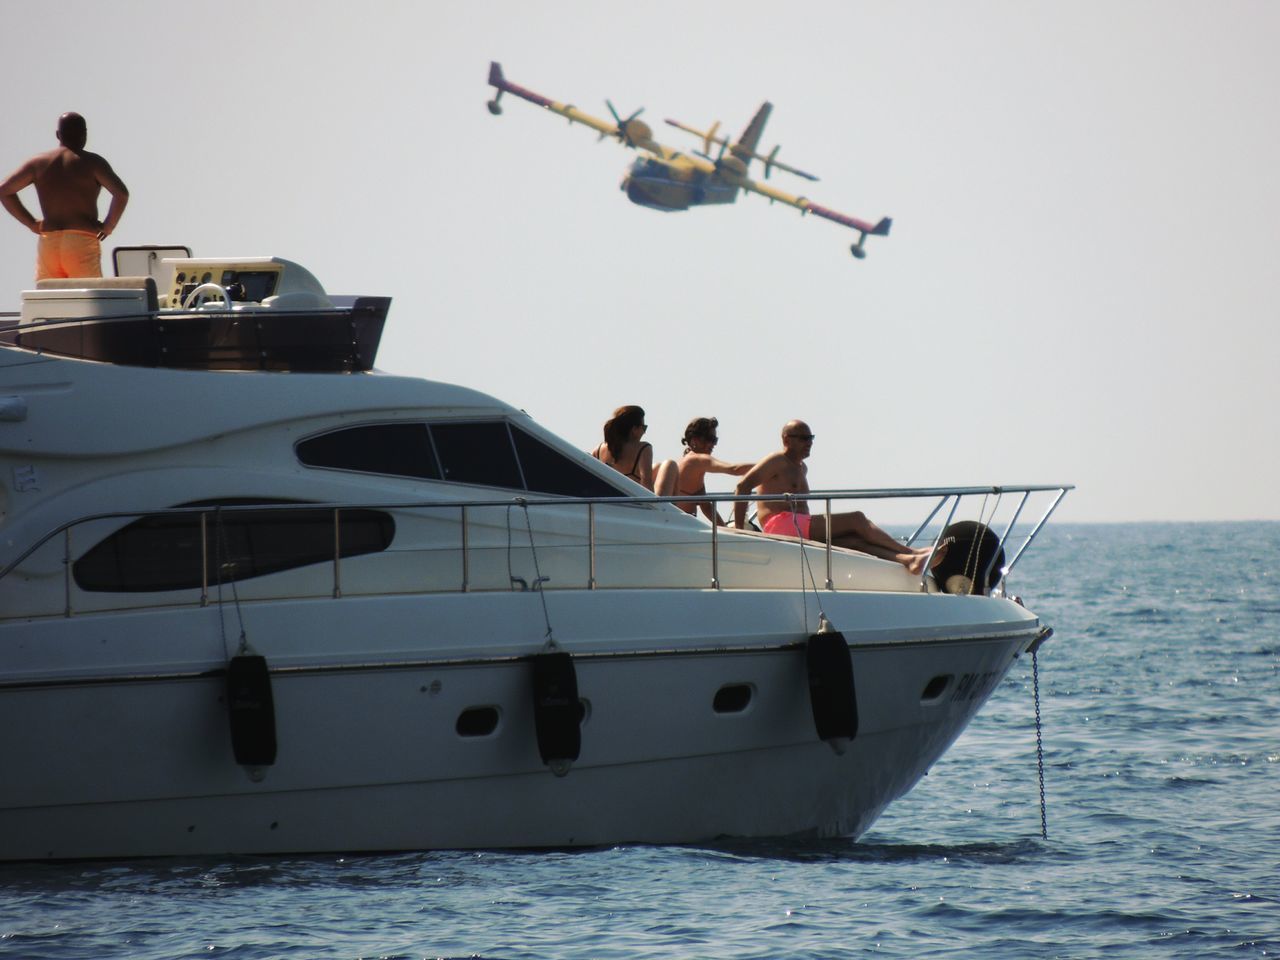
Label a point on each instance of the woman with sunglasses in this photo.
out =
(699, 440)
(623, 447)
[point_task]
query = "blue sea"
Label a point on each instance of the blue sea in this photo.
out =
(1160, 702)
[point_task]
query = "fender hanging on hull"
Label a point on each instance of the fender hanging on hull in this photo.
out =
(831, 688)
(251, 710)
(556, 711)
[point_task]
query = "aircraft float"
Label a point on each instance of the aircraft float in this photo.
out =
(671, 180)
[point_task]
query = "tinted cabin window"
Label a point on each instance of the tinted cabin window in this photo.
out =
(478, 453)
(549, 471)
(398, 449)
(474, 452)
(163, 553)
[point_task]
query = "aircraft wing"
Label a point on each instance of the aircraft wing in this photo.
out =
(728, 171)
(864, 227)
(630, 132)
(770, 160)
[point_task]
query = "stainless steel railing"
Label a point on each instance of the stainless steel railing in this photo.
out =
(947, 497)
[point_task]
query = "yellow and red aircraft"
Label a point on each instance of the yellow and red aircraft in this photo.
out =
(669, 180)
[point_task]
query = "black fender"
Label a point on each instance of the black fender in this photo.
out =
(974, 561)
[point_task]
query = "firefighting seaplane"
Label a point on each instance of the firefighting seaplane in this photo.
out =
(668, 180)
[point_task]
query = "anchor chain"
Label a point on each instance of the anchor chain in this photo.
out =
(1035, 686)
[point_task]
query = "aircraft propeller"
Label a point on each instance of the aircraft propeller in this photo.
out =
(731, 168)
(631, 131)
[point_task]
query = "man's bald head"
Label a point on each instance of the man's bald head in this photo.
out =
(73, 132)
(797, 438)
(795, 426)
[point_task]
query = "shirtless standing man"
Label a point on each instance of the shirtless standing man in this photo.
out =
(785, 472)
(68, 180)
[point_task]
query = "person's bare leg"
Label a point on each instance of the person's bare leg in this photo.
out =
(856, 524)
(855, 532)
(709, 511)
(919, 557)
(914, 562)
(666, 478)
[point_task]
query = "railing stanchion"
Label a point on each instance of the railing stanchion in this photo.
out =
(66, 572)
(927, 520)
(1012, 523)
(466, 562)
(715, 556)
(928, 563)
(1007, 533)
(337, 553)
(591, 546)
(830, 583)
(1062, 492)
(204, 559)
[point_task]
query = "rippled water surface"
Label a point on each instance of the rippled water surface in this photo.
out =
(1160, 695)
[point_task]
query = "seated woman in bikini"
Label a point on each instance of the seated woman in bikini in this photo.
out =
(689, 475)
(623, 448)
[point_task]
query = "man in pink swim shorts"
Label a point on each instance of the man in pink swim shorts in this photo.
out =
(67, 181)
(786, 472)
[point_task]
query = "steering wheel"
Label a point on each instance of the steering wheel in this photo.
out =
(205, 293)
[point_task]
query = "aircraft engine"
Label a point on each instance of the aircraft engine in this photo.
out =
(637, 131)
(631, 132)
(731, 169)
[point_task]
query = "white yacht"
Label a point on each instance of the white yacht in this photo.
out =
(258, 597)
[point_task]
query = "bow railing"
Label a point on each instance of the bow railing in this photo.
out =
(1001, 509)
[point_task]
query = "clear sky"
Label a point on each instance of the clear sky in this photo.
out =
(1086, 198)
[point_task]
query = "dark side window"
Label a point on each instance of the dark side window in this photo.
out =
(397, 449)
(488, 453)
(549, 471)
(163, 552)
(477, 453)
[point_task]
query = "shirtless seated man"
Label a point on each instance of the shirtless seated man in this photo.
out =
(786, 472)
(689, 475)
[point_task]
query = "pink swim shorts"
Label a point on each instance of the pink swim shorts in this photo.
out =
(791, 524)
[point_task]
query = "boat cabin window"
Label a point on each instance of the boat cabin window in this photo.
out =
(479, 453)
(549, 471)
(395, 449)
(163, 552)
(488, 453)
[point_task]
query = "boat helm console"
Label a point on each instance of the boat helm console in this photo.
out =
(257, 282)
(246, 313)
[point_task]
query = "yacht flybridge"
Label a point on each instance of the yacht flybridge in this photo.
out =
(257, 597)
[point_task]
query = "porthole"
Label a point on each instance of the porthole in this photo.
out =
(935, 688)
(732, 698)
(477, 722)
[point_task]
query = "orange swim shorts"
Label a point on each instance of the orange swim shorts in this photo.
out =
(68, 253)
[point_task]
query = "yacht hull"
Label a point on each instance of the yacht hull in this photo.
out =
(134, 757)
(257, 597)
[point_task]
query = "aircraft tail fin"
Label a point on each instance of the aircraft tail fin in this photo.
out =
(496, 79)
(746, 146)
